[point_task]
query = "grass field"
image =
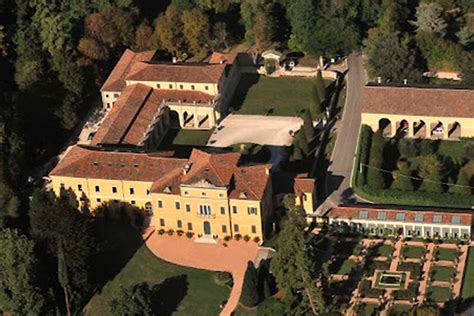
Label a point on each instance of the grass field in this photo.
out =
(285, 96)
(179, 290)
(468, 282)
(192, 137)
(413, 252)
(438, 293)
(446, 254)
(347, 267)
(439, 273)
(383, 250)
(398, 309)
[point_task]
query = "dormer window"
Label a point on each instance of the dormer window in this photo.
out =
(243, 195)
(167, 190)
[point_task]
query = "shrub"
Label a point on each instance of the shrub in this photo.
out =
(189, 234)
(237, 236)
(256, 239)
(227, 238)
(364, 149)
(366, 290)
(161, 231)
(223, 277)
(249, 296)
(412, 267)
(170, 232)
(179, 232)
(246, 237)
(407, 294)
(375, 177)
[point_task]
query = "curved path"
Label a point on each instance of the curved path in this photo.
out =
(232, 258)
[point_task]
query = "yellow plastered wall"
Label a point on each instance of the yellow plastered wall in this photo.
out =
(209, 88)
(467, 124)
(87, 189)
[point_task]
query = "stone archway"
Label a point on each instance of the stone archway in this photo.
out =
(402, 128)
(419, 129)
(437, 130)
(385, 125)
(454, 130)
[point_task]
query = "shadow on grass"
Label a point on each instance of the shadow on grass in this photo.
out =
(247, 80)
(169, 294)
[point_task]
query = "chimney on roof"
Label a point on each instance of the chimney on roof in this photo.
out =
(186, 169)
(174, 60)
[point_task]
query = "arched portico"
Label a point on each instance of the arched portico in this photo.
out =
(403, 128)
(419, 129)
(385, 125)
(438, 130)
(454, 130)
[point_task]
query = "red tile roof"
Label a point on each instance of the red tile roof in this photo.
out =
(185, 96)
(86, 163)
(344, 212)
(438, 102)
(193, 73)
(219, 58)
(115, 81)
(303, 184)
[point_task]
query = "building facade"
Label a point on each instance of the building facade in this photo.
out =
(208, 194)
(442, 224)
(419, 112)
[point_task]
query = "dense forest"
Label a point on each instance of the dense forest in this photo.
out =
(54, 55)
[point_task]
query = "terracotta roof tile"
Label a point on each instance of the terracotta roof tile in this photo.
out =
(438, 102)
(193, 73)
(303, 184)
(226, 58)
(184, 96)
(344, 212)
(115, 81)
(86, 163)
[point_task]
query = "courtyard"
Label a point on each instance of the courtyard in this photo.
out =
(392, 275)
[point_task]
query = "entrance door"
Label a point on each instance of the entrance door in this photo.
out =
(207, 228)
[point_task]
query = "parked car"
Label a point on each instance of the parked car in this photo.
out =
(438, 130)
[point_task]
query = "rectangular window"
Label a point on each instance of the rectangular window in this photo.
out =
(190, 226)
(114, 189)
(162, 222)
(192, 87)
(98, 200)
(252, 210)
(254, 229)
(186, 192)
(437, 218)
(97, 188)
(205, 209)
(363, 214)
(236, 228)
(180, 223)
(419, 217)
(177, 205)
(224, 228)
(160, 204)
(79, 187)
(222, 210)
(234, 209)
(203, 193)
(456, 220)
(400, 216)
(181, 87)
(147, 191)
(171, 86)
(132, 191)
(116, 95)
(381, 215)
(188, 208)
(158, 85)
(206, 87)
(133, 202)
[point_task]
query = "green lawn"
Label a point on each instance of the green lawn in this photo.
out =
(382, 250)
(182, 291)
(347, 267)
(446, 254)
(438, 293)
(284, 96)
(192, 137)
(439, 273)
(366, 309)
(468, 282)
(413, 252)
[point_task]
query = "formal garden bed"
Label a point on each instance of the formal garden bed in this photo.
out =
(413, 252)
(346, 248)
(341, 266)
(446, 254)
(407, 294)
(390, 280)
(413, 267)
(414, 160)
(440, 273)
(381, 250)
(398, 310)
(438, 294)
(366, 290)
(364, 309)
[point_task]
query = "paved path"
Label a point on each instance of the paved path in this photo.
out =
(338, 179)
(256, 129)
(426, 273)
(232, 258)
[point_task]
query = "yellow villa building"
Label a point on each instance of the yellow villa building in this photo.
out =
(419, 112)
(207, 194)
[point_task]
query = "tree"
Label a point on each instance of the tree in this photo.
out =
(424, 310)
(402, 177)
(145, 38)
(291, 265)
(169, 29)
(316, 104)
(462, 184)
(249, 296)
(136, 300)
(263, 30)
(63, 276)
(468, 151)
(375, 177)
(196, 29)
(408, 148)
(93, 49)
(308, 125)
(466, 37)
(429, 19)
(320, 86)
(220, 34)
(20, 291)
(430, 170)
(303, 17)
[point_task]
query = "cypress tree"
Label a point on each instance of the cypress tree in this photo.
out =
(316, 106)
(303, 141)
(375, 177)
(308, 125)
(463, 184)
(249, 296)
(430, 170)
(321, 88)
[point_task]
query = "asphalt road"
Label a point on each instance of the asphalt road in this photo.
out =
(338, 178)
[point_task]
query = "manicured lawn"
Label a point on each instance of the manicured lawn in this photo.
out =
(412, 267)
(366, 309)
(382, 250)
(468, 282)
(347, 267)
(192, 137)
(398, 309)
(438, 293)
(182, 291)
(446, 254)
(413, 252)
(284, 96)
(439, 273)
